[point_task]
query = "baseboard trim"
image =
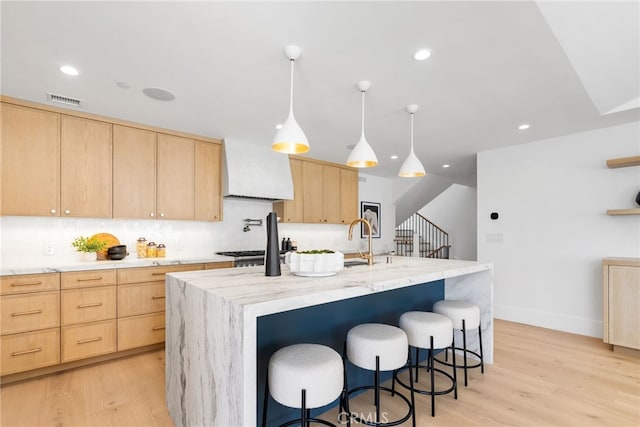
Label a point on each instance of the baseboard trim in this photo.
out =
(543, 319)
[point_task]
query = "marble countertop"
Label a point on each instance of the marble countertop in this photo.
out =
(105, 265)
(248, 287)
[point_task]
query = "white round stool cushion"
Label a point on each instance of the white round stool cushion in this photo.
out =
(366, 341)
(313, 367)
(458, 310)
(420, 326)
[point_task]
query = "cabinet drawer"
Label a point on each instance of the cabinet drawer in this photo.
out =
(88, 340)
(220, 264)
(87, 305)
(23, 352)
(85, 279)
(29, 283)
(151, 274)
(140, 298)
(139, 331)
(29, 312)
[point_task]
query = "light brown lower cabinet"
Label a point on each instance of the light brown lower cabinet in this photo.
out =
(28, 312)
(29, 350)
(138, 331)
(88, 340)
(140, 298)
(621, 302)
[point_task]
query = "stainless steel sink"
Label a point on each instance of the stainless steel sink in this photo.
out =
(355, 263)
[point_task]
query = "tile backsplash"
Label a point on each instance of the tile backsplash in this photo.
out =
(24, 241)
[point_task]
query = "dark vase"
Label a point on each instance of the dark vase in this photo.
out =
(638, 198)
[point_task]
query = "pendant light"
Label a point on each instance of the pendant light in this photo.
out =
(362, 155)
(412, 167)
(291, 139)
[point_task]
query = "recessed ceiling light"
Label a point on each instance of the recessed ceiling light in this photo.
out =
(279, 126)
(350, 146)
(422, 54)
(69, 70)
(394, 157)
(446, 165)
(123, 85)
(524, 126)
(158, 94)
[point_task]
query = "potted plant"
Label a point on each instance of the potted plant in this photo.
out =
(88, 245)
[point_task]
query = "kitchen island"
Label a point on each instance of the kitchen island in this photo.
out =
(217, 322)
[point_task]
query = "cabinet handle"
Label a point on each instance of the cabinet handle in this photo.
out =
(157, 328)
(95, 304)
(88, 279)
(52, 211)
(158, 274)
(67, 211)
(26, 313)
(27, 284)
(151, 214)
(158, 297)
(20, 353)
(161, 215)
(88, 340)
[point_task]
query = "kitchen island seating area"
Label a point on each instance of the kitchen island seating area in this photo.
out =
(215, 316)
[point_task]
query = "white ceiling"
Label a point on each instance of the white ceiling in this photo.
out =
(495, 65)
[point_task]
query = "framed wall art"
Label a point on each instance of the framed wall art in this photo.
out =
(371, 212)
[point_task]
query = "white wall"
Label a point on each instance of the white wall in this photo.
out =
(454, 210)
(23, 239)
(552, 196)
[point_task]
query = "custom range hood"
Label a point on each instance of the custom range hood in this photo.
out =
(255, 172)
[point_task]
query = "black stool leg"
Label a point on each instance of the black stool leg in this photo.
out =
(481, 353)
(303, 410)
(433, 379)
(417, 363)
(345, 390)
(413, 400)
(266, 401)
(377, 393)
(464, 346)
(455, 369)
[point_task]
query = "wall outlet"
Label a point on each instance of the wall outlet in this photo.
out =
(49, 249)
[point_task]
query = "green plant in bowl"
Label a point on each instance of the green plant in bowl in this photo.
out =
(88, 244)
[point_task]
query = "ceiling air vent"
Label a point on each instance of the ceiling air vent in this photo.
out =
(66, 100)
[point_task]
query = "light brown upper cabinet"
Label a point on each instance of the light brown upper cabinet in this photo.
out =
(293, 210)
(175, 177)
(54, 165)
(134, 173)
(348, 195)
(208, 180)
(329, 193)
(86, 168)
(30, 161)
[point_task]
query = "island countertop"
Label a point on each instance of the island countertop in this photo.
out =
(212, 317)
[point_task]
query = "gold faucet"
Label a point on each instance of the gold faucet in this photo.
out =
(367, 256)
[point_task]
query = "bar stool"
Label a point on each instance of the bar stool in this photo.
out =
(430, 331)
(304, 376)
(378, 347)
(464, 316)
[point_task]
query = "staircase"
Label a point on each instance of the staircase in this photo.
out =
(431, 240)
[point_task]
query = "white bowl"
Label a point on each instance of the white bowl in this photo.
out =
(315, 265)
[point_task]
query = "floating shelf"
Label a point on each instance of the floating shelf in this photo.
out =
(623, 162)
(635, 211)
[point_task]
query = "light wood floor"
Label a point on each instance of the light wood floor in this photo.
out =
(540, 378)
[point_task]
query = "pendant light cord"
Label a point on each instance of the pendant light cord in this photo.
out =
(412, 132)
(362, 113)
(291, 88)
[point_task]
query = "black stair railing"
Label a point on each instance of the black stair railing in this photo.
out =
(433, 241)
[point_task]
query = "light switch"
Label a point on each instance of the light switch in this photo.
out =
(494, 237)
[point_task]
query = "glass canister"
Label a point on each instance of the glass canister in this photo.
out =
(161, 251)
(151, 250)
(141, 247)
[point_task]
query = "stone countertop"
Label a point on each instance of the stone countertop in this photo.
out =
(105, 265)
(249, 288)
